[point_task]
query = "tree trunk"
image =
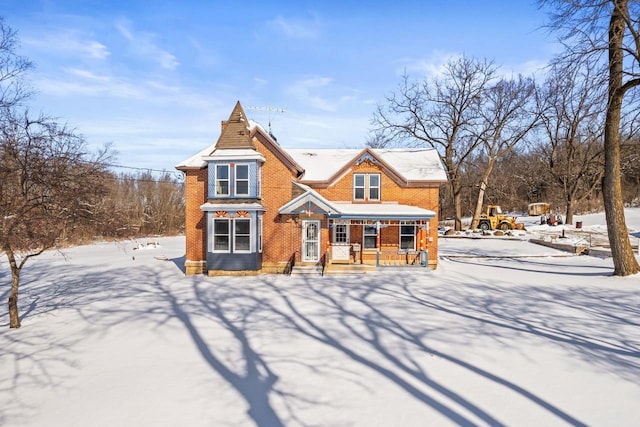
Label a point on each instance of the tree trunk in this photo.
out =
(624, 260)
(481, 193)
(457, 204)
(14, 317)
(568, 215)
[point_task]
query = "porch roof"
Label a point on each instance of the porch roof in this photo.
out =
(384, 211)
(312, 202)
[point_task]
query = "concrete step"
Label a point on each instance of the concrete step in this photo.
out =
(307, 269)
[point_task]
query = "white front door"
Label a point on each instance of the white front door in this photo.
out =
(310, 241)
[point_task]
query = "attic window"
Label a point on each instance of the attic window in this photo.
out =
(366, 187)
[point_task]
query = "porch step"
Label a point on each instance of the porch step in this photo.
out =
(307, 269)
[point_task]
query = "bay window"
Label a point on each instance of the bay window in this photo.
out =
(232, 230)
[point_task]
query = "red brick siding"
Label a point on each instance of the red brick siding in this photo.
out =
(281, 236)
(391, 191)
(195, 220)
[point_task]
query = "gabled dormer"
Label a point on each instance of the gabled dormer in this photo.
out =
(234, 165)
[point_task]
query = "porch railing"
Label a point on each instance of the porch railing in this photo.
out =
(395, 258)
(290, 264)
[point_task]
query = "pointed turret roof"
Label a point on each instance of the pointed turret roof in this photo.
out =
(235, 131)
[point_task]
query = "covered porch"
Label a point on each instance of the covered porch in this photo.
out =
(361, 236)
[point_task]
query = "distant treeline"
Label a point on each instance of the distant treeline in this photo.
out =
(523, 177)
(135, 204)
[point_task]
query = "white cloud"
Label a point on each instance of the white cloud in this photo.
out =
(433, 66)
(297, 28)
(88, 75)
(306, 92)
(144, 45)
(68, 42)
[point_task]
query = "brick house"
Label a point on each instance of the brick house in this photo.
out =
(254, 207)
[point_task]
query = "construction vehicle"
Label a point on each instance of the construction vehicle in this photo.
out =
(493, 219)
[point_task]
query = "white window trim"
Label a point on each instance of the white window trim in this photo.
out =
(364, 186)
(335, 232)
(260, 225)
(400, 237)
(367, 187)
(369, 176)
(217, 179)
(259, 181)
(364, 228)
(242, 251)
(235, 179)
(213, 236)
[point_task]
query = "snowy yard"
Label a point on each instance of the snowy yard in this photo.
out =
(113, 336)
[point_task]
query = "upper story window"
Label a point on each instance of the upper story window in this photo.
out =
(242, 180)
(366, 186)
(232, 179)
(222, 180)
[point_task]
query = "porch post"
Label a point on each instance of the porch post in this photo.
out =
(378, 243)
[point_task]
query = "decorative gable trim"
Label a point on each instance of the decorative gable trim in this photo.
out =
(366, 157)
(307, 203)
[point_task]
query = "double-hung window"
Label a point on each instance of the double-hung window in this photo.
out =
(222, 180)
(242, 235)
(233, 180)
(407, 237)
(370, 237)
(232, 230)
(242, 180)
(366, 186)
(221, 235)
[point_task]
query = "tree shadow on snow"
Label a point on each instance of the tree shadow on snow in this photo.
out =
(390, 325)
(362, 314)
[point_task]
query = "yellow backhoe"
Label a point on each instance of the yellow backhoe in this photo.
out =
(493, 219)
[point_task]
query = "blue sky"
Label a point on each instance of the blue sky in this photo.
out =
(155, 78)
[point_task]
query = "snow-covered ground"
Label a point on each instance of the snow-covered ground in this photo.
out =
(114, 336)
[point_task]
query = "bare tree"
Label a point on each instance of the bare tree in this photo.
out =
(48, 184)
(13, 67)
(378, 139)
(572, 103)
(441, 113)
(595, 30)
(507, 117)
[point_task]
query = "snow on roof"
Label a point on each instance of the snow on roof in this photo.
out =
(234, 154)
(381, 210)
(197, 160)
(414, 164)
